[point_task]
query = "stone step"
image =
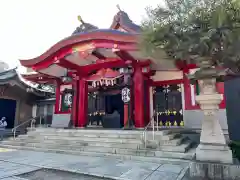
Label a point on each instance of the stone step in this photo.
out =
(59, 140)
(143, 156)
(70, 143)
(100, 131)
(79, 145)
(113, 136)
(173, 142)
(77, 139)
(184, 147)
(99, 135)
(103, 141)
(176, 141)
(111, 148)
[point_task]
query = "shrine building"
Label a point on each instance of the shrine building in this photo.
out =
(102, 79)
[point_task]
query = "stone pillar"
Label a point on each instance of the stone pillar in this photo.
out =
(212, 145)
(82, 103)
(138, 81)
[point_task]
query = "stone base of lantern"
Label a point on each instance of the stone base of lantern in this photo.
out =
(214, 153)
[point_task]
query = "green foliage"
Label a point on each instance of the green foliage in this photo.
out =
(189, 29)
(235, 147)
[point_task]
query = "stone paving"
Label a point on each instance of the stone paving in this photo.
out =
(16, 162)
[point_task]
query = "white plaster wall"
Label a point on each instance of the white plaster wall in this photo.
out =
(167, 75)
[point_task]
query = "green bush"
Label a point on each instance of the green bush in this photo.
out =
(235, 147)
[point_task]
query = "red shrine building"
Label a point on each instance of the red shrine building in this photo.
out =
(102, 79)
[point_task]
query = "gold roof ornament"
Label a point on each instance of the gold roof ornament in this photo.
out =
(80, 19)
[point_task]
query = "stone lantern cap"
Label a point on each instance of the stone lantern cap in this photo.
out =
(207, 71)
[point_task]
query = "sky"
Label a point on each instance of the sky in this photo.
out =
(30, 27)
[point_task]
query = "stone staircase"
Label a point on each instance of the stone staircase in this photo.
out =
(119, 143)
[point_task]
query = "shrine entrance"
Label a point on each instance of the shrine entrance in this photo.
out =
(168, 106)
(105, 109)
(105, 105)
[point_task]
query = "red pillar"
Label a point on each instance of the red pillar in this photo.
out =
(82, 102)
(75, 103)
(147, 94)
(138, 80)
(57, 94)
(126, 115)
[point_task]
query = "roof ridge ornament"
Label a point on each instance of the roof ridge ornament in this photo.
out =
(119, 7)
(80, 19)
(83, 27)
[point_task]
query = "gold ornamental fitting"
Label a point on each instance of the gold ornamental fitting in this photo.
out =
(80, 19)
(161, 123)
(181, 123)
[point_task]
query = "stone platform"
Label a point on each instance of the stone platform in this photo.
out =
(15, 163)
(214, 171)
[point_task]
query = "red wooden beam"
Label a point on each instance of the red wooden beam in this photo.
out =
(67, 64)
(98, 54)
(124, 55)
(107, 64)
(109, 44)
(51, 60)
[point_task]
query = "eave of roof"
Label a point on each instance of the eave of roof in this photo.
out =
(12, 74)
(100, 34)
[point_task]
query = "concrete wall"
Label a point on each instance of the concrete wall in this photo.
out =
(193, 118)
(60, 120)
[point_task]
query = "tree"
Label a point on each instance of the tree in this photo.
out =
(205, 32)
(195, 30)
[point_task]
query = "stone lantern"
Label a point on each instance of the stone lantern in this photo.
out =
(213, 146)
